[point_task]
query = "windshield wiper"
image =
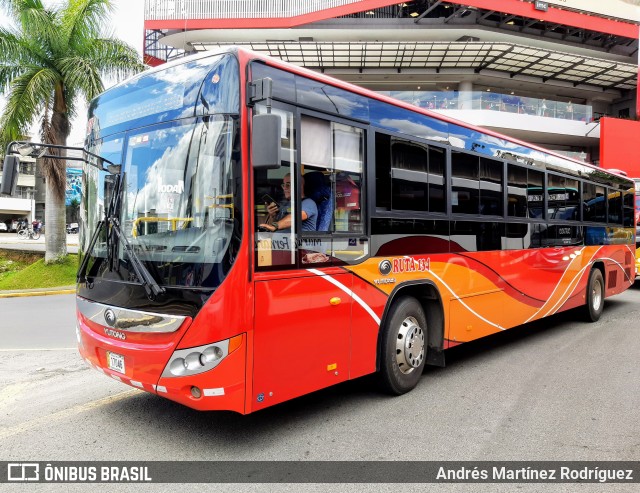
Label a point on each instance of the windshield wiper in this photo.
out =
(150, 285)
(112, 224)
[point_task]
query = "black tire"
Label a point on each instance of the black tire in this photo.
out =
(36, 235)
(403, 346)
(595, 296)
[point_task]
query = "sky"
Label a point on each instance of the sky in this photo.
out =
(127, 23)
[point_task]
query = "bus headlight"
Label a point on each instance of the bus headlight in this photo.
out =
(191, 361)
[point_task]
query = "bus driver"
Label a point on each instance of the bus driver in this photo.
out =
(279, 218)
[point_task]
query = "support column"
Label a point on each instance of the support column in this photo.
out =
(589, 103)
(465, 95)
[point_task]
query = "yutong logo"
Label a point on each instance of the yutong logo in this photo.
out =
(115, 333)
(110, 317)
(384, 267)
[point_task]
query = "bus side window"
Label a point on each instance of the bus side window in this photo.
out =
(535, 193)
(465, 183)
(517, 191)
(333, 160)
(348, 163)
(333, 155)
(491, 172)
(628, 209)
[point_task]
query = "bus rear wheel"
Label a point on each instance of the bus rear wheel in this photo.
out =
(403, 352)
(595, 296)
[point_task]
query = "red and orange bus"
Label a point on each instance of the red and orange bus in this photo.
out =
(255, 231)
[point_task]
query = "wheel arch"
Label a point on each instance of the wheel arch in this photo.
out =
(429, 297)
(599, 264)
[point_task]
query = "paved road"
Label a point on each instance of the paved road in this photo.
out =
(554, 390)
(11, 241)
(39, 322)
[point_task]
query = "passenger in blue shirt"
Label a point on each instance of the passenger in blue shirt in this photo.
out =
(279, 218)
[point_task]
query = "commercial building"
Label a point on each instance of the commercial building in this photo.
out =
(29, 200)
(562, 74)
(22, 205)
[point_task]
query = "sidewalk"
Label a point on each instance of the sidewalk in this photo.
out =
(11, 241)
(21, 293)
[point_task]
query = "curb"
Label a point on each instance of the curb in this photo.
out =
(26, 293)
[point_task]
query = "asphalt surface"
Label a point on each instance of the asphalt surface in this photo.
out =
(559, 390)
(11, 241)
(34, 323)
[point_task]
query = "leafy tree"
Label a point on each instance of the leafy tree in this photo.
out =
(53, 57)
(72, 210)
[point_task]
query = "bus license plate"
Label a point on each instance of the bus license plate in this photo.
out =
(115, 362)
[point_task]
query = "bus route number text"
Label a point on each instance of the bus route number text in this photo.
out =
(409, 264)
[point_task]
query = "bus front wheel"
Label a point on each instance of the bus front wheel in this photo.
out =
(595, 295)
(403, 352)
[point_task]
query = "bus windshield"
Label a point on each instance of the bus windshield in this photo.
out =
(175, 204)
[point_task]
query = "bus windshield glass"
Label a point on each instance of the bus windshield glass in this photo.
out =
(175, 205)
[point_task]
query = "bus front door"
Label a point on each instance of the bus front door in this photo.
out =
(302, 334)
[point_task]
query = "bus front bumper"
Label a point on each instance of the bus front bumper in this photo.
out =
(143, 364)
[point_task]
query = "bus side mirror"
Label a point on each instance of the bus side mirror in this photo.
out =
(10, 175)
(265, 141)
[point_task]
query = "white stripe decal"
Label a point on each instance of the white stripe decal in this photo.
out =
(579, 252)
(353, 295)
(620, 266)
(570, 287)
(456, 297)
(573, 282)
(561, 301)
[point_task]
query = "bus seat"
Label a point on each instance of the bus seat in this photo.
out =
(318, 189)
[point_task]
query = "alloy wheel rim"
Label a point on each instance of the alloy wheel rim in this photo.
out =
(409, 345)
(596, 295)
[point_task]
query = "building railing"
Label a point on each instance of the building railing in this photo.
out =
(236, 9)
(476, 100)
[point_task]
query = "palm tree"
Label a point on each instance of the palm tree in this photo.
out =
(53, 57)
(72, 210)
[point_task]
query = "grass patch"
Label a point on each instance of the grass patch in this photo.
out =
(24, 271)
(14, 261)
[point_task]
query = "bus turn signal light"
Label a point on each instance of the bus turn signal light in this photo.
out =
(235, 343)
